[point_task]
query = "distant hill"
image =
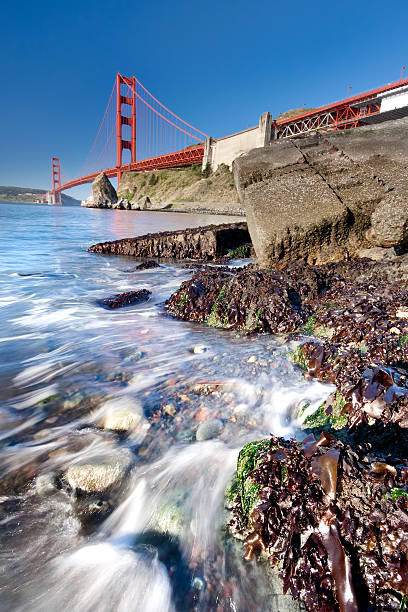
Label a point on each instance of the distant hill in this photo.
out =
(29, 195)
(293, 113)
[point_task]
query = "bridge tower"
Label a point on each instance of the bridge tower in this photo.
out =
(121, 119)
(56, 180)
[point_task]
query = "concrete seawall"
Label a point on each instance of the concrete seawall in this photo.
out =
(326, 196)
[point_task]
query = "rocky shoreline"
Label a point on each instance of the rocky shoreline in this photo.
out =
(174, 190)
(204, 243)
(328, 219)
(332, 514)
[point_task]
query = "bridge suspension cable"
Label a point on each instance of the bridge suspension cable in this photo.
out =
(158, 130)
(148, 135)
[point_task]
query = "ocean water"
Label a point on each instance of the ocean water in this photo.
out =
(154, 540)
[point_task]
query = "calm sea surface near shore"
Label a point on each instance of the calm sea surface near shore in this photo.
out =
(155, 539)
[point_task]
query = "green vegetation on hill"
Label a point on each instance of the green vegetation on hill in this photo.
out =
(293, 113)
(29, 195)
(188, 184)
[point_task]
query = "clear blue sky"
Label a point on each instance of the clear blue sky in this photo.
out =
(218, 64)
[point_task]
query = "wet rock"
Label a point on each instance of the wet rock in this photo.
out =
(333, 519)
(209, 429)
(247, 299)
(169, 519)
(122, 414)
(137, 356)
(199, 349)
(96, 476)
(146, 265)
(205, 243)
(91, 510)
(356, 311)
(74, 400)
(103, 194)
(125, 299)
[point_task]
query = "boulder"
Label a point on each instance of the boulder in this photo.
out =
(123, 414)
(291, 211)
(125, 299)
(95, 476)
(103, 194)
(122, 204)
(389, 221)
(325, 197)
(209, 429)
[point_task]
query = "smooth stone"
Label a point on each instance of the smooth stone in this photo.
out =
(200, 348)
(209, 429)
(122, 414)
(73, 400)
(96, 476)
(170, 520)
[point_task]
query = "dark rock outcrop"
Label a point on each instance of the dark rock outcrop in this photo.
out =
(334, 520)
(323, 197)
(103, 194)
(204, 243)
(125, 299)
(145, 265)
(356, 311)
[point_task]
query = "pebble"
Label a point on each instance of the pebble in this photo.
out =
(135, 356)
(74, 400)
(185, 435)
(199, 348)
(169, 409)
(209, 429)
(122, 414)
(45, 484)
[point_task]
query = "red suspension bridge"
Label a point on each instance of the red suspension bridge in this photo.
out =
(138, 132)
(138, 126)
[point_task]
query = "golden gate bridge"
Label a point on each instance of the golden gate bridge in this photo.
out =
(137, 126)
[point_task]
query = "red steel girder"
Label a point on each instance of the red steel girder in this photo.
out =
(185, 157)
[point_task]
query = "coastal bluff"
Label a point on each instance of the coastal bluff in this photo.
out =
(327, 196)
(186, 189)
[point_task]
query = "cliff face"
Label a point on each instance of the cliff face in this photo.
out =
(324, 197)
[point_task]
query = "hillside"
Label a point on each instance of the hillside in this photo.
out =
(179, 185)
(29, 195)
(293, 113)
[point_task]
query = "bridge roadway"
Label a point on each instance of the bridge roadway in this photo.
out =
(186, 157)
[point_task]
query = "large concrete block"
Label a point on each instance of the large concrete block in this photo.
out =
(325, 196)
